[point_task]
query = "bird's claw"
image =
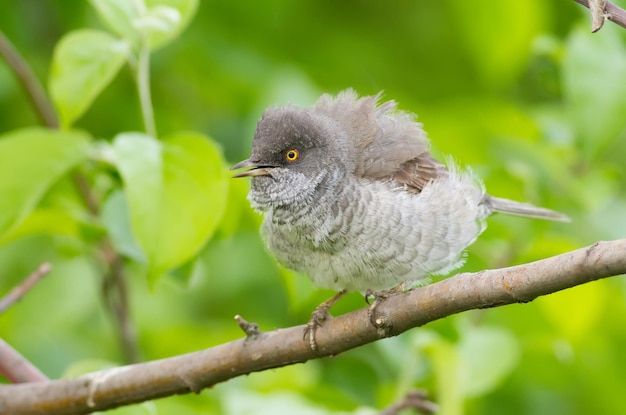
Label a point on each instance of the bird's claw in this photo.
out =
(319, 315)
(378, 297)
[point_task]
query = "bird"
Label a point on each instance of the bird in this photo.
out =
(352, 197)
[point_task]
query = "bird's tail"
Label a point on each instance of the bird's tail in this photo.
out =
(511, 207)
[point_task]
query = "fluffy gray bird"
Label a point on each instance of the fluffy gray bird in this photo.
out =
(352, 197)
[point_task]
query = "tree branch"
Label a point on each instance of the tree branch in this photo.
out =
(15, 368)
(30, 83)
(116, 298)
(613, 13)
(195, 371)
(18, 292)
(417, 400)
(115, 289)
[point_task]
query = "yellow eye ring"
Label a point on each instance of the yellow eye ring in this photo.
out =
(292, 155)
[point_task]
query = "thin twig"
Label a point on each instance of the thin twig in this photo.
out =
(30, 83)
(418, 400)
(251, 329)
(193, 371)
(114, 279)
(18, 292)
(613, 13)
(43, 107)
(115, 291)
(89, 199)
(15, 368)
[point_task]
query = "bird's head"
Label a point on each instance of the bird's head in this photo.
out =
(294, 152)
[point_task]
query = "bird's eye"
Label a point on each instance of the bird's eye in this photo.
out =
(292, 155)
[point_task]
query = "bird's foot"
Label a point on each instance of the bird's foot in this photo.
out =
(319, 315)
(376, 298)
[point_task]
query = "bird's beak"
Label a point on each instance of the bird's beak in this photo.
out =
(255, 169)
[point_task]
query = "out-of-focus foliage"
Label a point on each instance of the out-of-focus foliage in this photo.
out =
(523, 92)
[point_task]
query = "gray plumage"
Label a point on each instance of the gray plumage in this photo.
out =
(363, 204)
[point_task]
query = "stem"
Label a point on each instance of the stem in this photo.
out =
(143, 85)
(18, 292)
(34, 91)
(417, 400)
(15, 368)
(115, 291)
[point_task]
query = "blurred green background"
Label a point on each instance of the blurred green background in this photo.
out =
(521, 91)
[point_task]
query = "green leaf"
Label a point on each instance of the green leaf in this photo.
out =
(32, 160)
(445, 362)
(166, 19)
(239, 214)
(593, 84)
(119, 15)
(176, 192)
(159, 21)
(116, 219)
(486, 357)
(83, 63)
(44, 220)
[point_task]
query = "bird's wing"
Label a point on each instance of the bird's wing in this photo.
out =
(414, 174)
(390, 143)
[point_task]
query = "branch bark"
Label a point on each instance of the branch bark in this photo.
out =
(195, 371)
(15, 368)
(613, 13)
